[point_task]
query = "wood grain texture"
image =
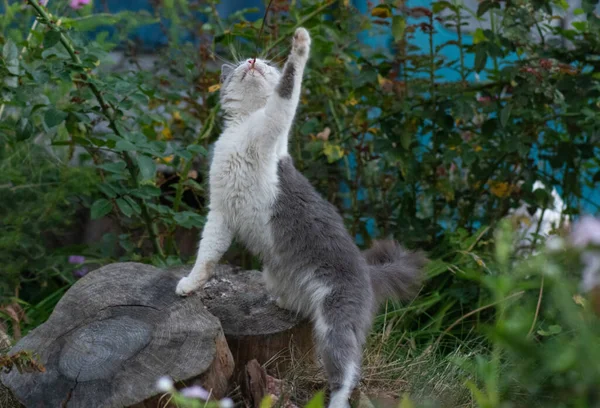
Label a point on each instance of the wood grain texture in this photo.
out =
(113, 334)
(255, 327)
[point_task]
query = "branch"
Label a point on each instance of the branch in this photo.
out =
(298, 24)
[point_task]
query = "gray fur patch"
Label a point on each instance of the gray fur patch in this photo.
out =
(286, 83)
(301, 51)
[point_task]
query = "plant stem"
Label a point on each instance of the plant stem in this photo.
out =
(460, 45)
(66, 42)
(299, 23)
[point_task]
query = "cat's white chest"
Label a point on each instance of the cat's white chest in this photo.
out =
(243, 187)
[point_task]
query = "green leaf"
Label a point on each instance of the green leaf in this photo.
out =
(440, 6)
(100, 208)
(486, 5)
(505, 114)
(54, 117)
(267, 401)
(478, 36)
(398, 27)
(553, 329)
(117, 167)
(405, 140)
(9, 51)
(13, 67)
(318, 401)
(406, 402)
(51, 39)
(146, 192)
(11, 81)
(124, 146)
(124, 207)
(147, 167)
(194, 148)
(107, 189)
(480, 58)
(10, 54)
(134, 205)
(24, 129)
(188, 219)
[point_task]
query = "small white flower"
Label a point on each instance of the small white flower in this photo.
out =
(226, 403)
(555, 243)
(164, 384)
(195, 392)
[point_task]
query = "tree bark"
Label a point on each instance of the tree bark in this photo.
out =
(113, 334)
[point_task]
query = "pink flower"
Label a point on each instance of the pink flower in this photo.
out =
(77, 4)
(195, 392)
(586, 232)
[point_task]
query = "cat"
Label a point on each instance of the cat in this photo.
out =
(310, 262)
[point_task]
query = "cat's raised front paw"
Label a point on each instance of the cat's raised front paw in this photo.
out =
(187, 285)
(301, 41)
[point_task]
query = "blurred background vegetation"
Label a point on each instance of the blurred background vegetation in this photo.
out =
(465, 128)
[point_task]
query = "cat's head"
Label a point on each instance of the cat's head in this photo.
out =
(246, 87)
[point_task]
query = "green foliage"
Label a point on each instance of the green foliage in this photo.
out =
(436, 164)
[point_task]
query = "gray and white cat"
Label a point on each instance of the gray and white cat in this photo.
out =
(311, 263)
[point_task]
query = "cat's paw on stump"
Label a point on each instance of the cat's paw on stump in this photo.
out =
(301, 41)
(186, 286)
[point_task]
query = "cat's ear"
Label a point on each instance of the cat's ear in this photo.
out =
(226, 70)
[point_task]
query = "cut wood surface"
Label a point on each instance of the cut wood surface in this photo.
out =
(113, 334)
(255, 327)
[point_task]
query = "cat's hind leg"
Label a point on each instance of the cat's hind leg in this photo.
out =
(340, 347)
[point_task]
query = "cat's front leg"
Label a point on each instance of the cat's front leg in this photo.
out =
(281, 106)
(290, 83)
(216, 239)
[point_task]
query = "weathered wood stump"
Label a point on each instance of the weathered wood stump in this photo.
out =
(113, 334)
(121, 327)
(255, 327)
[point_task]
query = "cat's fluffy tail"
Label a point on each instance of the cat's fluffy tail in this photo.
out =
(396, 272)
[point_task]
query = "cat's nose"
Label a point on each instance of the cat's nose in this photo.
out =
(251, 62)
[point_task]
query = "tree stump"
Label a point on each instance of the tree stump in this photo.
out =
(255, 327)
(113, 334)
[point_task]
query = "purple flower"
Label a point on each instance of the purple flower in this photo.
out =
(195, 392)
(81, 272)
(586, 232)
(76, 259)
(77, 4)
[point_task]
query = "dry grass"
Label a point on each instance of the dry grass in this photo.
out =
(389, 372)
